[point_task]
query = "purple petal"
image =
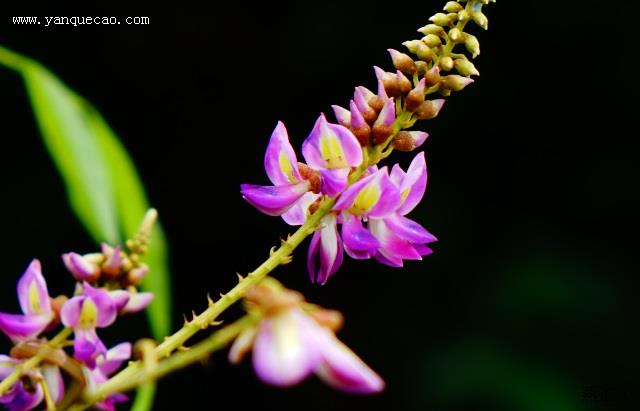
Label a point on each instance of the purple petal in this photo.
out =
(392, 247)
(343, 116)
(286, 350)
(408, 229)
(55, 384)
(419, 137)
(7, 366)
(362, 102)
(325, 251)
(114, 358)
(280, 161)
(331, 146)
(373, 196)
(120, 298)
(70, 313)
(334, 181)
(23, 327)
(344, 370)
(357, 121)
(391, 262)
(359, 243)
(273, 200)
(414, 184)
(137, 302)
(388, 114)
(87, 346)
(422, 249)
(297, 214)
(32, 291)
(114, 259)
(105, 306)
(21, 399)
(80, 268)
(242, 344)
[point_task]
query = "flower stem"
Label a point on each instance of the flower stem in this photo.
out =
(198, 352)
(31, 363)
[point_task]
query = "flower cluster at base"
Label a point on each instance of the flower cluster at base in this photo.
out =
(105, 288)
(293, 340)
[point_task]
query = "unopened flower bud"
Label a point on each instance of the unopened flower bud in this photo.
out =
(453, 7)
(473, 45)
(113, 261)
(137, 274)
(446, 63)
(412, 45)
(432, 40)
(311, 175)
(440, 19)
(390, 82)
(343, 116)
(421, 67)
(402, 62)
(403, 83)
(81, 268)
(431, 29)
(367, 112)
(455, 35)
(429, 109)
(359, 126)
(466, 68)
(480, 19)
(382, 94)
(416, 96)
(383, 126)
(424, 53)
(464, 16)
(455, 82)
(409, 140)
(432, 76)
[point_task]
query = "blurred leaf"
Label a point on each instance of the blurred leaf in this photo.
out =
(104, 188)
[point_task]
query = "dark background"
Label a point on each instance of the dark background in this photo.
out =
(528, 302)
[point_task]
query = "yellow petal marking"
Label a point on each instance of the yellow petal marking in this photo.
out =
(88, 314)
(286, 167)
(34, 299)
(366, 198)
(331, 151)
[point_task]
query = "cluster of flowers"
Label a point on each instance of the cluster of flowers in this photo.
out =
(294, 339)
(372, 210)
(105, 288)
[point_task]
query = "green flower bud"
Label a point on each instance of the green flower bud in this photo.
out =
(453, 7)
(480, 19)
(421, 67)
(455, 82)
(412, 45)
(440, 19)
(424, 53)
(455, 35)
(432, 40)
(431, 29)
(446, 63)
(464, 15)
(473, 45)
(466, 68)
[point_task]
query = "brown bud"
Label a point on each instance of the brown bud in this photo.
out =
(376, 103)
(421, 67)
(404, 84)
(402, 62)
(403, 142)
(311, 175)
(380, 133)
(432, 77)
(315, 205)
(429, 109)
(414, 98)
(424, 53)
(363, 134)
